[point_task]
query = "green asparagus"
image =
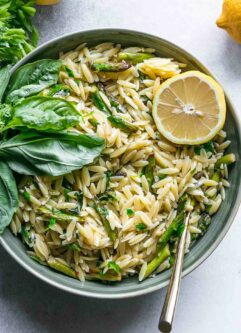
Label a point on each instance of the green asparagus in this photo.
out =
(98, 102)
(157, 261)
(74, 247)
(174, 229)
(170, 231)
(226, 159)
(124, 125)
(58, 215)
(203, 224)
(103, 213)
(104, 277)
(26, 236)
(58, 266)
(149, 169)
(113, 101)
(134, 58)
(110, 67)
(216, 176)
(115, 121)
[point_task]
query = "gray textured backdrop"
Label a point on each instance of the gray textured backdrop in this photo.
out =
(210, 299)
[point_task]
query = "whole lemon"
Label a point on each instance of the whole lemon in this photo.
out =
(230, 20)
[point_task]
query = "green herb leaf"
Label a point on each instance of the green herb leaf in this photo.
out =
(4, 79)
(140, 227)
(8, 196)
(74, 247)
(54, 154)
(69, 71)
(208, 147)
(52, 223)
(130, 212)
(5, 115)
(27, 196)
(113, 265)
(32, 78)
(59, 90)
(44, 114)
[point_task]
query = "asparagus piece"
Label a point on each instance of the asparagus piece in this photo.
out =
(110, 67)
(170, 231)
(98, 102)
(112, 99)
(58, 266)
(226, 159)
(181, 203)
(115, 121)
(134, 58)
(203, 224)
(108, 196)
(157, 261)
(216, 176)
(103, 213)
(95, 275)
(124, 125)
(35, 258)
(163, 251)
(26, 236)
(58, 215)
(149, 169)
(74, 247)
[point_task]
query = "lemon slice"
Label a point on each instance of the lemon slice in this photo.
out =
(189, 108)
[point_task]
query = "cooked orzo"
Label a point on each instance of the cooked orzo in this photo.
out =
(106, 221)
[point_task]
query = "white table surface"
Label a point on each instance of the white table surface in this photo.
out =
(210, 298)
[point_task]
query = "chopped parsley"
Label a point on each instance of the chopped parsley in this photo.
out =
(27, 196)
(208, 147)
(74, 247)
(140, 227)
(130, 212)
(52, 223)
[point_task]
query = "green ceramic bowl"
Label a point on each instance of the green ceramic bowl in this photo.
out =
(221, 221)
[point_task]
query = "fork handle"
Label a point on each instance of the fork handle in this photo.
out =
(168, 310)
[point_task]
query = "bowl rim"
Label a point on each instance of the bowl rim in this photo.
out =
(217, 241)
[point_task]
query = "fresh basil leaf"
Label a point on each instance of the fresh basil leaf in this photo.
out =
(32, 153)
(5, 115)
(32, 78)
(4, 79)
(44, 113)
(8, 196)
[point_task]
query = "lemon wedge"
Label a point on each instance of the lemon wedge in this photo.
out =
(189, 108)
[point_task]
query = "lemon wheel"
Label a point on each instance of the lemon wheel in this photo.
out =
(189, 108)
